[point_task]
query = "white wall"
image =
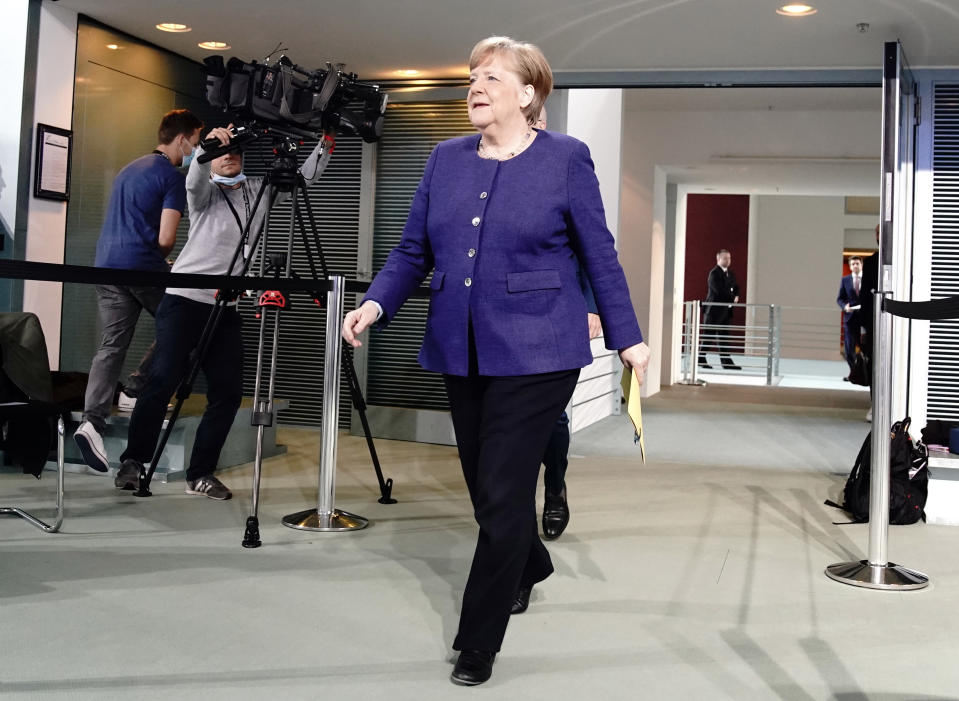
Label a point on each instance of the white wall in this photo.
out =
(13, 43)
(796, 257)
(797, 262)
(46, 225)
(654, 140)
(595, 117)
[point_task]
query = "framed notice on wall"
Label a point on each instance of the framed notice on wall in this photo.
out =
(52, 180)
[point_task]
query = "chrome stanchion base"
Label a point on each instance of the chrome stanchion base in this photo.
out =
(693, 383)
(309, 520)
(889, 576)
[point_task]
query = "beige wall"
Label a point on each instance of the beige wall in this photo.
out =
(46, 226)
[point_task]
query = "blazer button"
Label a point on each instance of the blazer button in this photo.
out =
(483, 195)
(468, 281)
(471, 252)
(476, 221)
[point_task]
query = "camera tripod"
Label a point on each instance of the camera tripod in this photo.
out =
(282, 177)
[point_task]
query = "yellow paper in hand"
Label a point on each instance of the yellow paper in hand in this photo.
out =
(630, 384)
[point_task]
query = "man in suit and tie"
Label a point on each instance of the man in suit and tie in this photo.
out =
(848, 301)
(722, 288)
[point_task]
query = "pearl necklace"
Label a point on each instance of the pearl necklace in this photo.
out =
(484, 152)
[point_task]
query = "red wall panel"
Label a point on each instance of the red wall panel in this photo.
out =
(714, 222)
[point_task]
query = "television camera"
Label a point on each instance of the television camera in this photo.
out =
(284, 97)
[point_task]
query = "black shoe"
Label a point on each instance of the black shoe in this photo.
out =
(128, 476)
(209, 486)
(521, 602)
(473, 667)
(846, 378)
(703, 364)
(730, 365)
(555, 515)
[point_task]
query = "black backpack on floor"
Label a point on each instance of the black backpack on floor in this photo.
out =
(908, 486)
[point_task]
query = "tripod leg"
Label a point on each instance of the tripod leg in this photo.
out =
(262, 411)
(359, 403)
(356, 394)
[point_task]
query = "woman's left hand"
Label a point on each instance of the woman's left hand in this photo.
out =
(636, 358)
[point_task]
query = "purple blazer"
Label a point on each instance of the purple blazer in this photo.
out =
(502, 239)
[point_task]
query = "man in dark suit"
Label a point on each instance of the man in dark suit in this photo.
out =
(848, 300)
(722, 288)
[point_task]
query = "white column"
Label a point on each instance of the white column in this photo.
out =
(13, 21)
(595, 117)
(47, 220)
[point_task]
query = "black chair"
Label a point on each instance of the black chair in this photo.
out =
(17, 413)
(27, 407)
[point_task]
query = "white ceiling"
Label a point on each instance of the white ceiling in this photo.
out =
(769, 176)
(763, 99)
(833, 177)
(376, 37)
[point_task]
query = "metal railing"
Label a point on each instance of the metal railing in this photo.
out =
(762, 336)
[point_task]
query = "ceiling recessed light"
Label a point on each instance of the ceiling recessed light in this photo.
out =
(797, 10)
(214, 45)
(113, 47)
(407, 72)
(172, 27)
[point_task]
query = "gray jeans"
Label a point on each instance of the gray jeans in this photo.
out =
(119, 309)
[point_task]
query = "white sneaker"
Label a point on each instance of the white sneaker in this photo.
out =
(90, 442)
(125, 402)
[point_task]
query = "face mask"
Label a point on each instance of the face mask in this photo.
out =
(229, 181)
(187, 158)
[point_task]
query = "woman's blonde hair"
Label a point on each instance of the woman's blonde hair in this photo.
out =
(529, 64)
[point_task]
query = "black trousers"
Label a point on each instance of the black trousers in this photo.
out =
(556, 457)
(852, 337)
(179, 324)
(718, 338)
(502, 426)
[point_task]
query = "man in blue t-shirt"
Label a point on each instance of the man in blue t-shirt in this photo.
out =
(138, 233)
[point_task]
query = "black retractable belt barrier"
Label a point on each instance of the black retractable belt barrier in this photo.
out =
(88, 275)
(53, 272)
(933, 310)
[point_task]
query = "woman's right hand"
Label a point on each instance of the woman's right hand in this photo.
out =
(357, 321)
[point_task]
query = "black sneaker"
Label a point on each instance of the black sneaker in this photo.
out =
(208, 486)
(128, 476)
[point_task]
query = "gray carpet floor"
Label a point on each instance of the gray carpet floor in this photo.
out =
(698, 575)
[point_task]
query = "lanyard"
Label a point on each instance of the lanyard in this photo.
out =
(246, 204)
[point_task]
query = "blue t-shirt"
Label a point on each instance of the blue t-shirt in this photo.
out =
(131, 229)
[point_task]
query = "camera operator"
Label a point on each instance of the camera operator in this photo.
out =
(221, 200)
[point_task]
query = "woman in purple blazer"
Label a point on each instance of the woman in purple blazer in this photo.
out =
(500, 219)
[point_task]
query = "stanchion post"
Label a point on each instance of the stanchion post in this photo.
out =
(877, 572)
(694, 314)
(881, 421)
(770, 344)
(325, 517)
(778, 334)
